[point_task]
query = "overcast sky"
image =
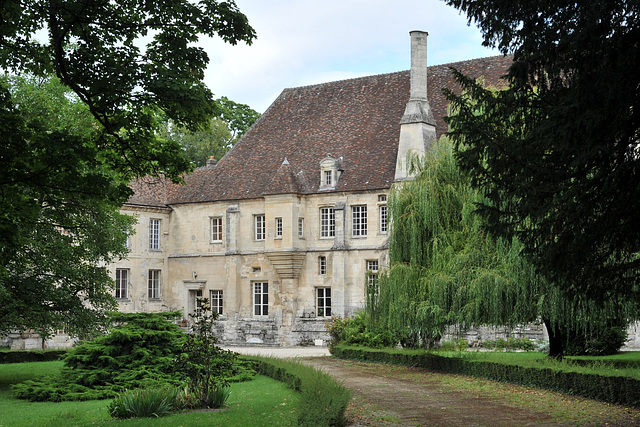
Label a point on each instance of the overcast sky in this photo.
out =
(302, 42)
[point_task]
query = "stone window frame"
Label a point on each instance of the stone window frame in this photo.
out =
(329, 173)
(300, 228)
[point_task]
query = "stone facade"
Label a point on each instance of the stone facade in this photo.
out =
(286, 230)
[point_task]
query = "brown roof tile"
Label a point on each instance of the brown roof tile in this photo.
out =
(356, 121)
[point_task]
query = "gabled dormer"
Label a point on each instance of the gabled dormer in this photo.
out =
(329, 173)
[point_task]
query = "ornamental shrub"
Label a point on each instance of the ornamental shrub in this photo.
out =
(139, 351)
(203, 365)
(149, 402)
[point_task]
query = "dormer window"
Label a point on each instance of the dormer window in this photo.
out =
(329, 173)
(328, 181)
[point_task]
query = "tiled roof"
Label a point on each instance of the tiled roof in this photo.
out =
(355, 121)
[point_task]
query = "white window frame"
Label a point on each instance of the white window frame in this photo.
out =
(322, 265)
(384, 219)
(359, 221)
(153, 281)
(372, 271)
(328, 178)
(327, 222)
(216, 229)
(216, 301)
(323, 302)
(260, 298)
(122, 283)
(278, 228)
(154, 234)
(260, 227)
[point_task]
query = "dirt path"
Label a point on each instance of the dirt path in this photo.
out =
(387, 395)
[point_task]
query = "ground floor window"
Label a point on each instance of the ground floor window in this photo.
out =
(323, 302)
(216, 301)
(372, 272)
(260, 298)
(154, 284)
(122, 282)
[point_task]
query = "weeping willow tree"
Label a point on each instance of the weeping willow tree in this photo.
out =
(445, 270)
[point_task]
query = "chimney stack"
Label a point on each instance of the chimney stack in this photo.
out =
(417, 126)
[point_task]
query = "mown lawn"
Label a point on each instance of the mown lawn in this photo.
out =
(261, 402)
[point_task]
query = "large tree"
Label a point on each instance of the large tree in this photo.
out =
(558, 152)
(64, 170)
(446, 271)
(231, 122)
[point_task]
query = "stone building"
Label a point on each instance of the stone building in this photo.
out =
(286, 229)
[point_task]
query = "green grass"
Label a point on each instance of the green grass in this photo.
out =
(261, 402)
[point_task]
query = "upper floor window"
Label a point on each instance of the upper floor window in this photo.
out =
(327, 222)
(382, 211)
(216, 301)
(278, 228)
(328, 178)
(359, 220)
(154, 234)
(260, 298)
(329, 173)
(122, 283)
(216, 229)
(154, 284)
(383, 219)
(260, 227)
(301, 228)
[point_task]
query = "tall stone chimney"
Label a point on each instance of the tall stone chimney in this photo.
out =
(417, 126)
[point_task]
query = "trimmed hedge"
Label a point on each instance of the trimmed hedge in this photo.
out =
(323, 401)
(611, 389)
(21, 356)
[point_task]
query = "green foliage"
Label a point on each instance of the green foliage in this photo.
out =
(70, 147)
(138, 352)
(509, 344)
(550, 375)
(353, 330)
(149, 402)
(59, 213)
(323, 402)
(557, 151)
(444, 269)
(204, 365)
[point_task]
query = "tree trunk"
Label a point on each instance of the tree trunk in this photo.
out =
(555, 340)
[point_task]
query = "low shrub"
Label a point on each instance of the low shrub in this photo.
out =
(145, 403)
(509, 344)
(353, 330)
(22, 356)
(323, 401)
